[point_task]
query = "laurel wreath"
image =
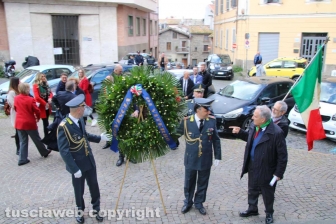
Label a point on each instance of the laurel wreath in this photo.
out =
(141, 140)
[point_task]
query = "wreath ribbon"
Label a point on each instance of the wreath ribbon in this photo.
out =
(137, 90)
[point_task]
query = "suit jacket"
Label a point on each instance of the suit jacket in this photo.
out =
(283, 123)
(71, 141)
(199, 79)
(41, 101)
(190, 87)
(60, 87)
(270, 155)
(210, 143)
(207, 81)
(61, 99)
(26, 110)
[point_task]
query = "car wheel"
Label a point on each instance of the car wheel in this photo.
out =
(295, 78)
(246, 124)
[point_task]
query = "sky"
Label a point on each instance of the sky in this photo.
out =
(194, 9)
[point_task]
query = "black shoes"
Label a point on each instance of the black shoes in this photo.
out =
(99, 218)
(46, 155)
(80, 219)
(23, 163)
(185, 209)
(202, 211)
(120, 162)
(107, 145)
(248, 213)
(269, 218)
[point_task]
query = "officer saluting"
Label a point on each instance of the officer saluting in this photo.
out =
(202, 141)
(73, 144)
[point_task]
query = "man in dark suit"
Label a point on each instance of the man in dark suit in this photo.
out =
(202, 142)
(61, 84)
(265, 160)
(207, 79)
(62, 97)
(187, 85)
(278, 116)
(139, 60)
(74, 147)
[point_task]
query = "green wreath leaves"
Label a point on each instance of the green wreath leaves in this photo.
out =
(141, 140)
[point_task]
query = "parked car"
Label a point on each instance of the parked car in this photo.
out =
(178, 73)
(170, 65)
(283, 67)
(52, 72)
(220, 65)
(234, 104)
(327, 109)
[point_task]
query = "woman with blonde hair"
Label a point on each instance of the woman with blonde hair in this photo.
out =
(84, 85)
(43, 96)
(27, 115)
(12, 93)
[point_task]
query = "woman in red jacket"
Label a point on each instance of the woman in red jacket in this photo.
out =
(27, 115)
(43, 96)
(84, 85)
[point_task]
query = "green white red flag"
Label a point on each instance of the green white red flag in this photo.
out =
(307, 98)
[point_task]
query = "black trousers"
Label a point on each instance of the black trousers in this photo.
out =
(266, 190)
(202, 179)
(17, 140)
(79, 185)
(46, 123)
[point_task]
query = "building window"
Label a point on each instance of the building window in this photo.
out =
(221, 38)
(155, 24)
(144, 27)
(233, 3)
(271, 1)
(222, 6)
(205, 38)
(206, 48)
(216, 6)
(227, 5)
(216, 38)
(138, 26)
(233, 36)
(174, 35)
(130, 25)
(168, 46)
(227, 40)
(150, 27)
(194, 62)
(184, 43)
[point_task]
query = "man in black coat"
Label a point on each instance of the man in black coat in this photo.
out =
(61, 84)
(62, 97)
(265, 160)
(278, 116)
(73, 143)
(207, 79)
(187, 85)
(139, 60)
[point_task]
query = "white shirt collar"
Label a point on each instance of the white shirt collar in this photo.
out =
(197, 119)
(75, 120)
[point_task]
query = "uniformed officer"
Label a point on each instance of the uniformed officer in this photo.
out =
(74, 147)
(202, 141)
(198, 93)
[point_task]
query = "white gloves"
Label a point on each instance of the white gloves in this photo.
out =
(105, 137)
(78, 174)
(216, 162)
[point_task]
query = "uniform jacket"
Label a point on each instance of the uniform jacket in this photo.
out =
(150, 60)
(84, 85)
(283, 124)
(210, 144)
(207, 81)
(190, 87)
(26, 110)
(72, 152)
(270, 155)
(41, 101)
(191, 105)
(61, 99)
(139, 59)
(199, 79)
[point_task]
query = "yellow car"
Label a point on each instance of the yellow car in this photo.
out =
(283, 67)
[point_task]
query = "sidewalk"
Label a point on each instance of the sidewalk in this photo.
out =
(306, 195)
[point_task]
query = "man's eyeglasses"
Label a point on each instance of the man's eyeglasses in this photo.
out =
(273, 108)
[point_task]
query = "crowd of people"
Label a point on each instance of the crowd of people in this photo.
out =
(265, 155)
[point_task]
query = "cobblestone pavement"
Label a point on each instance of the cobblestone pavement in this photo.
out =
(306, 195)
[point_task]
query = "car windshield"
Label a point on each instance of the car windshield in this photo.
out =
(328, 92)
(241, 90)
(87, 73)
(27, 75)
(220, 59)
(125, 58)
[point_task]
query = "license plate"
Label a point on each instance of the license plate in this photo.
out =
(220, 73)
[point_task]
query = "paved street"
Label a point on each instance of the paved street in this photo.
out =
(306, 195)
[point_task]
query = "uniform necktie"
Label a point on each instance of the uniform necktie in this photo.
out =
(201, 125)
(79, 125)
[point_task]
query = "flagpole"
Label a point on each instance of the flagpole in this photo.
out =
(298, 79)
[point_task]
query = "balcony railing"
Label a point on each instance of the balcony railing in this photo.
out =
(182, 49)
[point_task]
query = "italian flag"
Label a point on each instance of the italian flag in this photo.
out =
(307, 97)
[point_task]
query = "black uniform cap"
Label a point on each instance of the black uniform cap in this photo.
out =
(76, 102)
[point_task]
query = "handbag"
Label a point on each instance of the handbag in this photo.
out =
(7, 108)
(87, 111)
